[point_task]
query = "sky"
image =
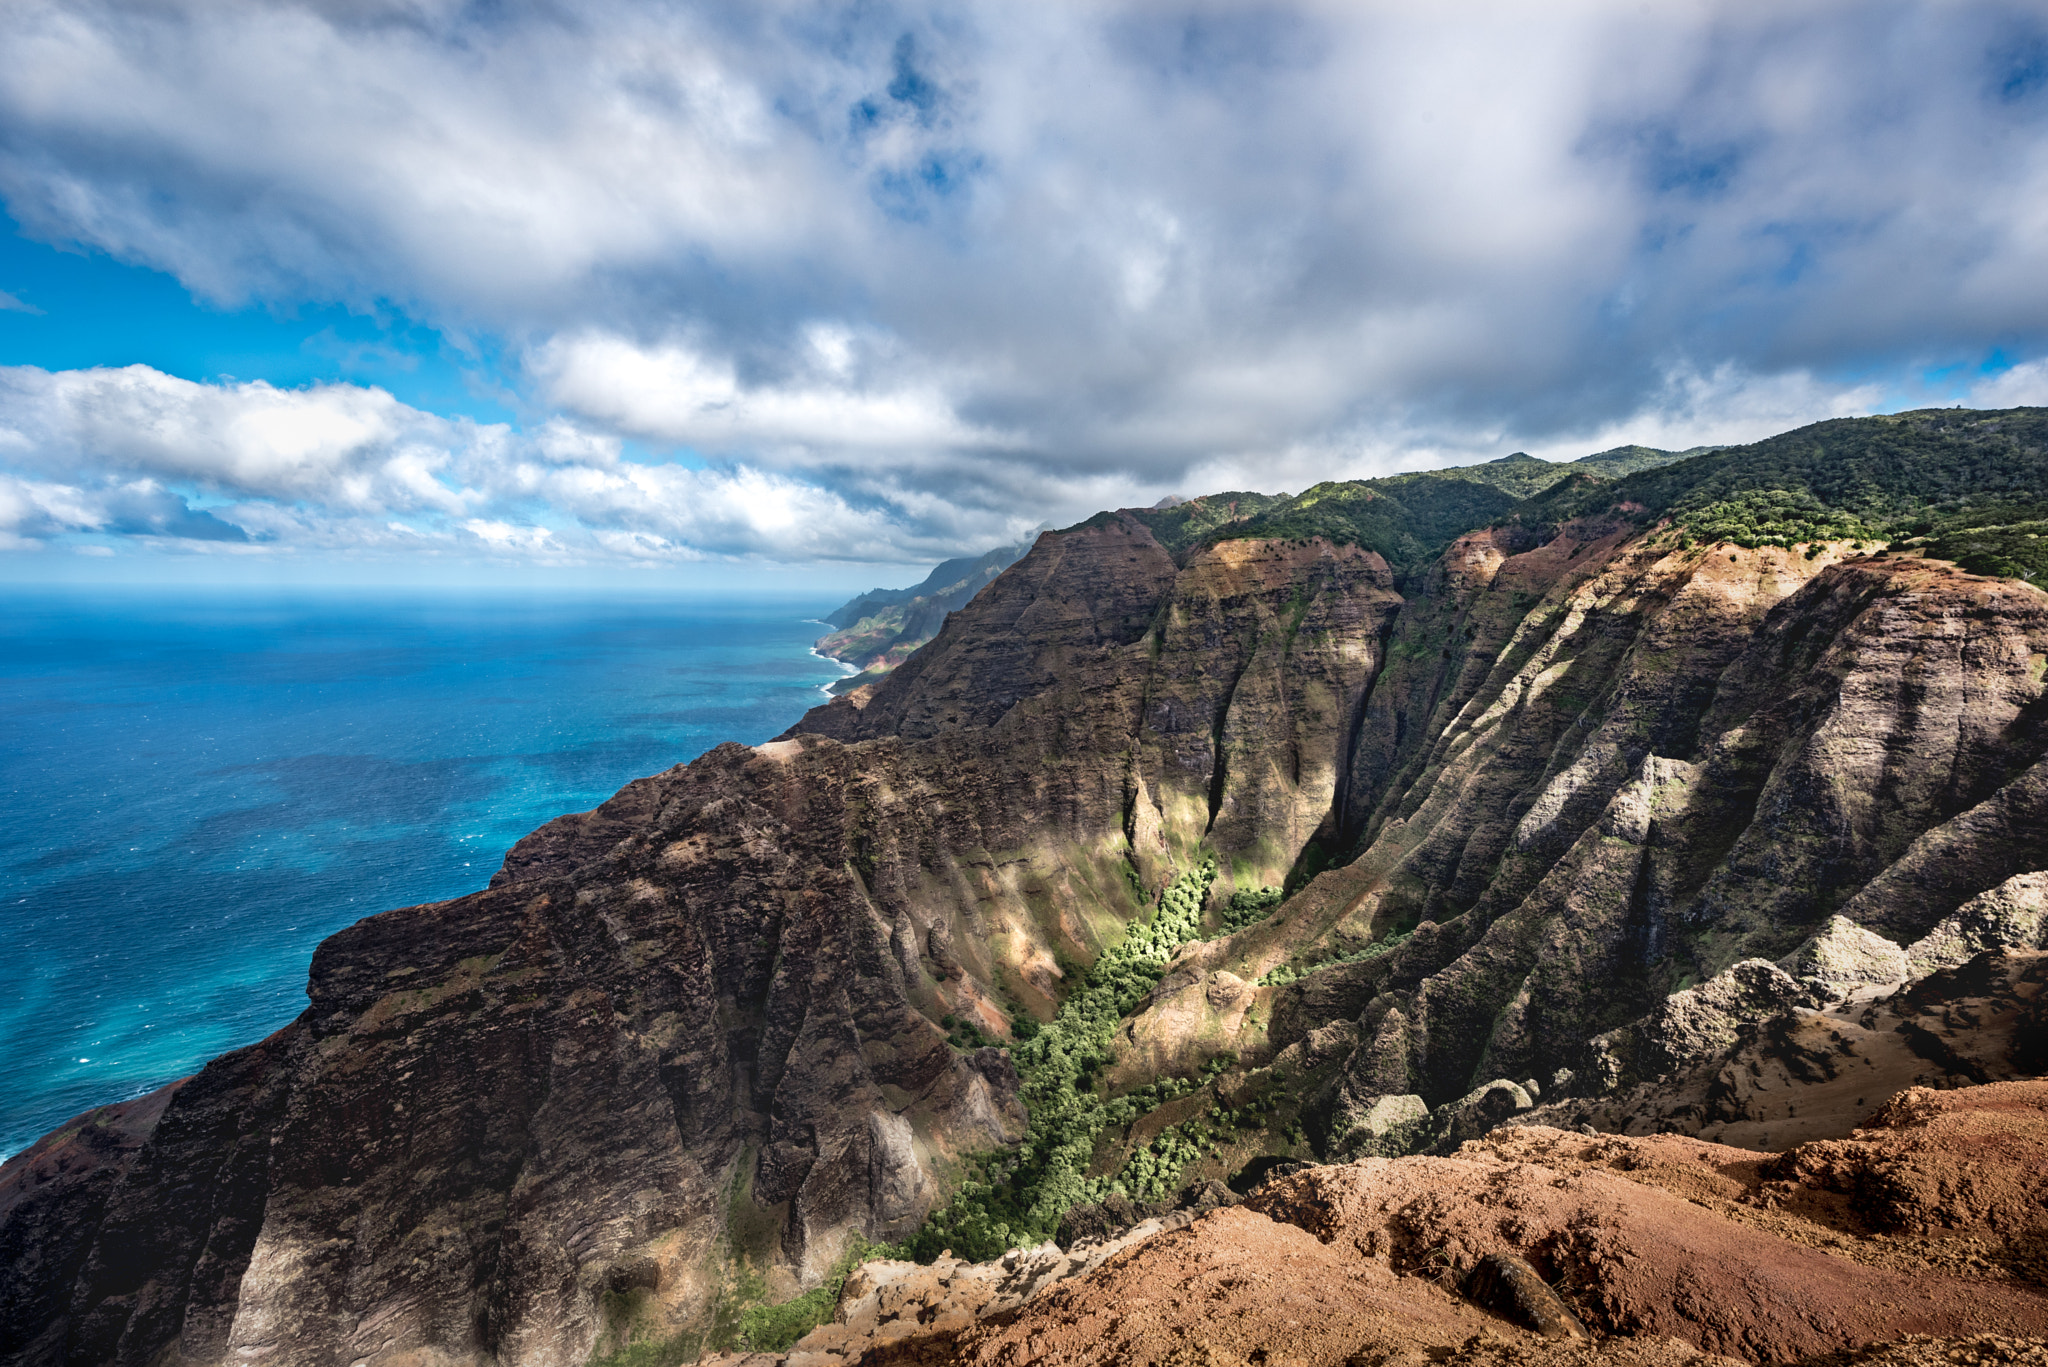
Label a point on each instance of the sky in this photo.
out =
(783, 292)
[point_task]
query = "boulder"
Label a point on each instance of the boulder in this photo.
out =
(1478, 1111)
(1696, 1024)
(1387, 1127)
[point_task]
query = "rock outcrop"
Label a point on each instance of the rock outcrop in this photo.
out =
(1817, 1071)
(2013, 915)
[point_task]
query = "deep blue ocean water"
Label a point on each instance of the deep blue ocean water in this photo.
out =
(196, 788)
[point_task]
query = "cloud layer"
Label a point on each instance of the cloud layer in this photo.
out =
(902, 277)
(250, 468)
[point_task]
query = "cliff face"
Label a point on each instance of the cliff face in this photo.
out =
(1596, 771)
(1578, 767)
(878, 630)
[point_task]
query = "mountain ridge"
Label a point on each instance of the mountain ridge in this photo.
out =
(1512, 785)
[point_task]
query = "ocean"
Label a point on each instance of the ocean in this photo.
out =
(197, 787)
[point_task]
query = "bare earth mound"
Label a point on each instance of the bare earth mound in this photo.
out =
(1915, 1241)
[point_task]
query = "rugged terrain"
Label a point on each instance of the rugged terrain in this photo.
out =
(1532, 1245)
(875, 631)
(1250, 829)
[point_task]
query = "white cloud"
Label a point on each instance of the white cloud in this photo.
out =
(2019, 386)
(676, 392)
(340, 445)
(942, 270)
(1726, 406)
(135, 452)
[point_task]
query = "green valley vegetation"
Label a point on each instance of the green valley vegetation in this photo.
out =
(1247, 907)
(741, 1318)
(776, 1328)
(1018, 1198)
(1286, 973)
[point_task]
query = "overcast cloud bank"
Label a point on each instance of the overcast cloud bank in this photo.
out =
(897, 281)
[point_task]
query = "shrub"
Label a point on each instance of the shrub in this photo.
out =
(1005, 1204)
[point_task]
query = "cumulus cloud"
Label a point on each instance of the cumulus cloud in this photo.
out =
(2021, 385)
(676, 391)
(134, 452)
(909, 270)
(348, 447)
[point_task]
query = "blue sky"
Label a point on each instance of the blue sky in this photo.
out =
(717, 295)
(77, 308)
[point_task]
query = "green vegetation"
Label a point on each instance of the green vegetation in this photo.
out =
(1627, 460)
(965, 1034)
(775, 1328)
(1934, 474)
(1287, 973)
(1904, 474)
(742, 1319)
(1408, 519)
(1771, 517)
(1248, 907)
(1018, 1199)
(1184, 525)
(1523, 475)
(2005, 539)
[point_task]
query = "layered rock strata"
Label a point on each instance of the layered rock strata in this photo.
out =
(1596, 773)
(708, 1021)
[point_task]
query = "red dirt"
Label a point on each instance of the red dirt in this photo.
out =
(1918, 1232)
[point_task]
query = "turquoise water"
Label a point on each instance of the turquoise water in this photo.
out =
(196, 789)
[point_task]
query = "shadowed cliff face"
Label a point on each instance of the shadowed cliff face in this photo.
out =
(707, 1018)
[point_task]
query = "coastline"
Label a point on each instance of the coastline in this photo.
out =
(254, 853)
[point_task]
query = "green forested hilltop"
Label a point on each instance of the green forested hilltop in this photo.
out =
(1966, 485)
(1524, 476)
(1879, 469)
(1407, 518)
(1188, 522)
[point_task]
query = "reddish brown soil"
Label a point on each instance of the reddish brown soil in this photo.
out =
(1919, 1232)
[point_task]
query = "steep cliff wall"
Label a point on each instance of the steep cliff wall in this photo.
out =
(1642, 766)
